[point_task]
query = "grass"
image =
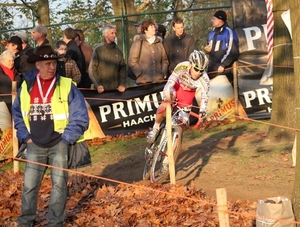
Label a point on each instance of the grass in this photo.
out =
(113, 150)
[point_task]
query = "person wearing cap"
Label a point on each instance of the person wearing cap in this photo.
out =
(8, 74)
(49, 114)
(178, 45)
(39, 34)
(138, 26)
(21, 65)
(222, 47)
(26, 48)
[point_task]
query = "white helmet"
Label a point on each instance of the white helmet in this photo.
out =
(198, 60)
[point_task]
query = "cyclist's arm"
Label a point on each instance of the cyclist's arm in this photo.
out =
(169, 91)
(204, 95)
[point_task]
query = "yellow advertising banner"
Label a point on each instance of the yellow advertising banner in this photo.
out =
(6, 135)
(221, 100)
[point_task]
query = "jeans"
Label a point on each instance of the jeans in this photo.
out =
(33, 175)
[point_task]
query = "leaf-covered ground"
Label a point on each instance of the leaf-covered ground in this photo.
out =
(236, 157)
(92, 203)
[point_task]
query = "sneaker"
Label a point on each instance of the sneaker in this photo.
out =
(152, 135)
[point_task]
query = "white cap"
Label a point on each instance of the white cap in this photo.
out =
(22, 35)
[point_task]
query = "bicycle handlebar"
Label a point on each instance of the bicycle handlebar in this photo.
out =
(199, 122)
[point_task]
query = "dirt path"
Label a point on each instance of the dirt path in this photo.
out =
(247, 165)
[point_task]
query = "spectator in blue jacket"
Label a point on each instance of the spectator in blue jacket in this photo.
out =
(222, 46)
(49, 113)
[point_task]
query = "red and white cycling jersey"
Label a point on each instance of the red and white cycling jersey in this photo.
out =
(182, 87)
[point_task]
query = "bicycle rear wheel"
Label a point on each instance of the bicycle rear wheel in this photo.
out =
(160, 165)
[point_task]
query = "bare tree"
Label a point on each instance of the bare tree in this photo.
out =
(294, 6)
(283, 104)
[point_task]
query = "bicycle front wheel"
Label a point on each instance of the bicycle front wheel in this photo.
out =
(160, 163)
(149, 151)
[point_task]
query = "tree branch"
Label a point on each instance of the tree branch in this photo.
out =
(143, 6)
(31, 8)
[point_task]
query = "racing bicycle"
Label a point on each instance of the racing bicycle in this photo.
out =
(156, 162)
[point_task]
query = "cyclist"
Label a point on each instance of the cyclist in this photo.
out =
(187, 78)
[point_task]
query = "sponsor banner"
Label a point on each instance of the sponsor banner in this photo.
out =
(255, 76)
(124, 113)
(114, 113)
(6, 135)
(221, 103)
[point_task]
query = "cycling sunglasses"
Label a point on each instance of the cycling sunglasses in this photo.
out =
(197, 69)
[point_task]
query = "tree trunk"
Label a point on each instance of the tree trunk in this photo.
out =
(178, 5)
(283, 100)
(294, 6)
(44, 16)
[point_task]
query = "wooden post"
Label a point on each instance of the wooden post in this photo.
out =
(222, 207)
(169, 143)
(15, 139)
(235, 90)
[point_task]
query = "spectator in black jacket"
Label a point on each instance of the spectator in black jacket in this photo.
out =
(26, 48)
(21, 65)
(39, 34)
(74, 52)
(178, 45)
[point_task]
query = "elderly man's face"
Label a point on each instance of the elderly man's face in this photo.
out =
(47, 68)
(110, 35)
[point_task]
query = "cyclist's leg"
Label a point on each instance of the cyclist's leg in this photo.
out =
(160, 116)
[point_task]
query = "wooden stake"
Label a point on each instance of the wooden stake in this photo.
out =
(222, 207)
(15, 139)
(169, 143)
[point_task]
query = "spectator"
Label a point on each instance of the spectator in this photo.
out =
(7, 75)
(138, 26)
(65, 65)
(21, 65)
(39, 34)
(26, 48)
(74, 52)
(222, 47)
(107, 67)
(56, 116)
(86, 81)
(161, 31)
(147, 57)
(85, 47)
(178, 45)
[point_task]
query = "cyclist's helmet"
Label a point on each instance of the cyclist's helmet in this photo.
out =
(198, 60)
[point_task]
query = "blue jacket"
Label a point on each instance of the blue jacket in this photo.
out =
(78, 116)
(225, 49)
